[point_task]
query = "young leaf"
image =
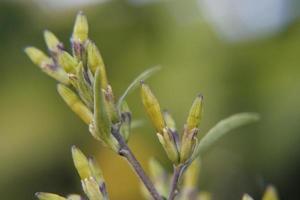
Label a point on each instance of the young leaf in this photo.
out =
(223, 127)
(143, 76)
(102, 121)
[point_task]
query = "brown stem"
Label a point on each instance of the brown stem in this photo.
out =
(178, 171)
(127, 153)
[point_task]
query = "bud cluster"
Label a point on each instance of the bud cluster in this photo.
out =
(92, 180)
(84, 87)
(179, 148)
(83, 83)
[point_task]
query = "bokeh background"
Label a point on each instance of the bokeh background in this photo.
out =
(241, 55)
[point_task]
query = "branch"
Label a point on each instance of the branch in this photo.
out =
(127, 153)
(178, 171)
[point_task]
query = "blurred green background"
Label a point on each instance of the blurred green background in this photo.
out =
(242, 56)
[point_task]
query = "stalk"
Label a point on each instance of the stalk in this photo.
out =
(125, 152)
(178, 171)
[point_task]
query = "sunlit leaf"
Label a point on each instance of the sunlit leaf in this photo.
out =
(223, 127)
(146, 74)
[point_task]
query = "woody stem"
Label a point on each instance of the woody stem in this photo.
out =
(125, 152)
(178, 171)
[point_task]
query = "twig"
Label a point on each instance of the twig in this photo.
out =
(178, 171)
(127, 153)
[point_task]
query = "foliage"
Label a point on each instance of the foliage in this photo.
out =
(84, 86)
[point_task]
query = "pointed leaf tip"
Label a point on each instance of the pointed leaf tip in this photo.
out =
(138, 80)
(223, 127)
(36, 55)
(81, 28)
(51, 40)
(81, 163)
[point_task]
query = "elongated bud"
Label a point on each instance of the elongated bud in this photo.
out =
(81, 28)
(36, 55)
(48, 196)
(247, 197)
(191, 175)
(169, 121)
(152, 108)
(188, 143)
(81, 163)
(168, 142)
(195, 114)
(101, 115)
(67, 62)
(46, 64)
(76, 105)
(95, 61)
(91, 189)
(74, 197)
(52, 42)
(270, 194)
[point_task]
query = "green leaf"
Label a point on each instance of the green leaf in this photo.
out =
(146, 74)
(102, 121)
(223, 127)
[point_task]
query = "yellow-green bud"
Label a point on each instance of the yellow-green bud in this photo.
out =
(95, 61)
(169, 145)
(36, 55)
(67, 62)
(152, 108)
(48, 196)
(247, 197)
(195, 113)
(81, 28)
(188, 142)
(74, 102)
(270, 194)
(46, 64)
(51, 40)
(81, 163)
(170, 122)
(91, 189)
